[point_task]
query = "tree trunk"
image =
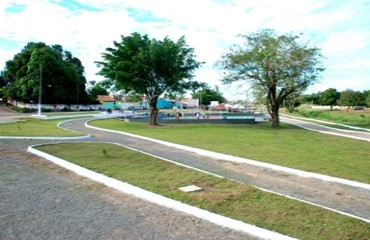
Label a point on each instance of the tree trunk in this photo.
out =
(274, 107)
(153, 112)
(275, 115)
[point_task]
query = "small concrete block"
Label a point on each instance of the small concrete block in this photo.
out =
(190, 188)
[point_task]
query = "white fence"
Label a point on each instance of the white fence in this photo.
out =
(57, 107)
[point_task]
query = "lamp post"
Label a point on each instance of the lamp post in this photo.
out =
(40, 92)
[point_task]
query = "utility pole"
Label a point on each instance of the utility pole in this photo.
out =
(40, 91)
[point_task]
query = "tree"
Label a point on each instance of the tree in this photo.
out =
(95, 90)
(329, 97)
(312, 99)
(351, 98)
(150, 67)
(206, 95)
(281, 65)
(366, 95)
(62, 74)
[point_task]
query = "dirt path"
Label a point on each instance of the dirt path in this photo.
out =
(344, 198)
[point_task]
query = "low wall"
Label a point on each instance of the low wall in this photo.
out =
(57, 107)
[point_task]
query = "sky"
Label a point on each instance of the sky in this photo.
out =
(340, 28)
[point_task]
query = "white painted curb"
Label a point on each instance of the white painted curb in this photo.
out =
(330, 133)
(220, 156)
(163, 201)
(326, 122)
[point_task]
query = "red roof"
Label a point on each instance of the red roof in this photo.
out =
(105, 98)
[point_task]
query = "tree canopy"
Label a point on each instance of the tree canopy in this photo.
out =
(352, 98)
(281, 65)
(63, 79)
(150, 67)
(329, 97)
(206, 95)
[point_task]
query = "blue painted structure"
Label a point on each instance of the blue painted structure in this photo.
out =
(165, 104)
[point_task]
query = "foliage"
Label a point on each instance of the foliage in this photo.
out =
(367, 97)
(63, 79)
(329, 97)
(351, 98)
(95, 90)
(150, 67)
(351, 118)
(206, 95)
(281, 64)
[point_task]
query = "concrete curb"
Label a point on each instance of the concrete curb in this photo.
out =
(326, 122)
(225, 157)
(332, 133)
(163, 201)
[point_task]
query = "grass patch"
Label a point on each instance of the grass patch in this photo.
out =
(351, 117)
(36, 127)
(53, 114)
(288, 146)
(222, 196)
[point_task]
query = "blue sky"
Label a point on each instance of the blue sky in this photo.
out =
(341, 28)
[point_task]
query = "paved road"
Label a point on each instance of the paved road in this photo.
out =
(39, 200)
(42, 201)
(327, 130)
(333, 195)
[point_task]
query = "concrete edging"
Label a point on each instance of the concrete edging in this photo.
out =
(331, 123)
(231, 158)
(162, 201)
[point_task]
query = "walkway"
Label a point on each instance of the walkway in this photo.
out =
(39, 200)
(344, 198)
(63, 206)
(327, 130)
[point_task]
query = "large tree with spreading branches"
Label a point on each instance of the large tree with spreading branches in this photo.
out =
(150, 67)
(283, 66)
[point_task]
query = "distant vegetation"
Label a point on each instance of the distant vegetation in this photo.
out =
(358, 118)
(332, 97)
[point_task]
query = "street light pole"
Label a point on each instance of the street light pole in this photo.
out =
(40, 91)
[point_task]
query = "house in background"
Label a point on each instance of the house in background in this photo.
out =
(108, 102)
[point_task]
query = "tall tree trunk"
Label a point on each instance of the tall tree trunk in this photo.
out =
(153, 112)
(274, 107)
(275, 115)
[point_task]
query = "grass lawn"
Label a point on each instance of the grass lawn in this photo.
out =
(288, 146)
(49, 114)
(36, 127)
(351, 117)
(222, 196)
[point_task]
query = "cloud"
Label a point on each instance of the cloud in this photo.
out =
(87, 27)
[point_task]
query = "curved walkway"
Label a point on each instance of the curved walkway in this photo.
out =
(327, 130)
(332, 195)
(339, 197)
(40, 200)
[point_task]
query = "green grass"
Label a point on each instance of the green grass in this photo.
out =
(351, 117)
(222, 196)
(35, 127)
(71, 113)
(288, 146)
